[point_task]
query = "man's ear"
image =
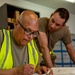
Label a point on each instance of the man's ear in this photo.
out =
(15, 23)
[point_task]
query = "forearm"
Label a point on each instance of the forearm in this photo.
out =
(46, 56)
(43, 42)
(13, 71)
(27, 69)
(72, 55)
(71, 52)
(7, 72)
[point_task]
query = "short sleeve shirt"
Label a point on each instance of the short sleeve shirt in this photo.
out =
(53, 37)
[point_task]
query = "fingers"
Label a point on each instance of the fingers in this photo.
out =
(46, 71)
(38, 70)
(28, 69)
(42, 70)
(50, 72)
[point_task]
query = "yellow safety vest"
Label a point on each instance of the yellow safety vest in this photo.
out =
(6, 60)
(33, 54)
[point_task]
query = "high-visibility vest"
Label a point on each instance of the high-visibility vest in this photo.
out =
(6, 59)
(33, 54)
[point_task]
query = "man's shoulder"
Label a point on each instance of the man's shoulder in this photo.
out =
(65, 28)
(1, 37)
(63, 31)
(44, 18)
(0, 32)
(43, 21)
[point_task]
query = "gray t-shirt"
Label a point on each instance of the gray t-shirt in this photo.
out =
(53, 37)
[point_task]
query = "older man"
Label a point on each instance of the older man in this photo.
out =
(18, 53)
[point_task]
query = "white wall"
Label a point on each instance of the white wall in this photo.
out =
(44, 11)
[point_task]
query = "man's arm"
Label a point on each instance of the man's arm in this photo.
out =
(43, 41)
(27, 69)
(7, 72)
(71, 52)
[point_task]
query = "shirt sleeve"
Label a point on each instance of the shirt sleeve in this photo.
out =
(67, 37)
(43, 24)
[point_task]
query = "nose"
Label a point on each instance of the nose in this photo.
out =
(53, 25)
(30, 36)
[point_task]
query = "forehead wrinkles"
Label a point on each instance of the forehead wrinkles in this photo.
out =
(58, 19)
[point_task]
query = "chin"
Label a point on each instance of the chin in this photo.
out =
(51, 30)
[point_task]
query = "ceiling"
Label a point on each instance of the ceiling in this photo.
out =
(56, 4)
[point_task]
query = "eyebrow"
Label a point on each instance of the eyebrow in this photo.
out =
(55, 21)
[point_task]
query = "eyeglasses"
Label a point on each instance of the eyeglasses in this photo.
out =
(28, 32)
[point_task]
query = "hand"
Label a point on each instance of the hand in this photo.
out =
(26, 69)
(44, 70)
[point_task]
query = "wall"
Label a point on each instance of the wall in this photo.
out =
(44, 11)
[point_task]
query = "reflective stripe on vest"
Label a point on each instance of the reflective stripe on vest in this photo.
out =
(6, 61)
(33, 54)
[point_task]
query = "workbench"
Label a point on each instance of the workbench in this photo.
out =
(63, 71)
